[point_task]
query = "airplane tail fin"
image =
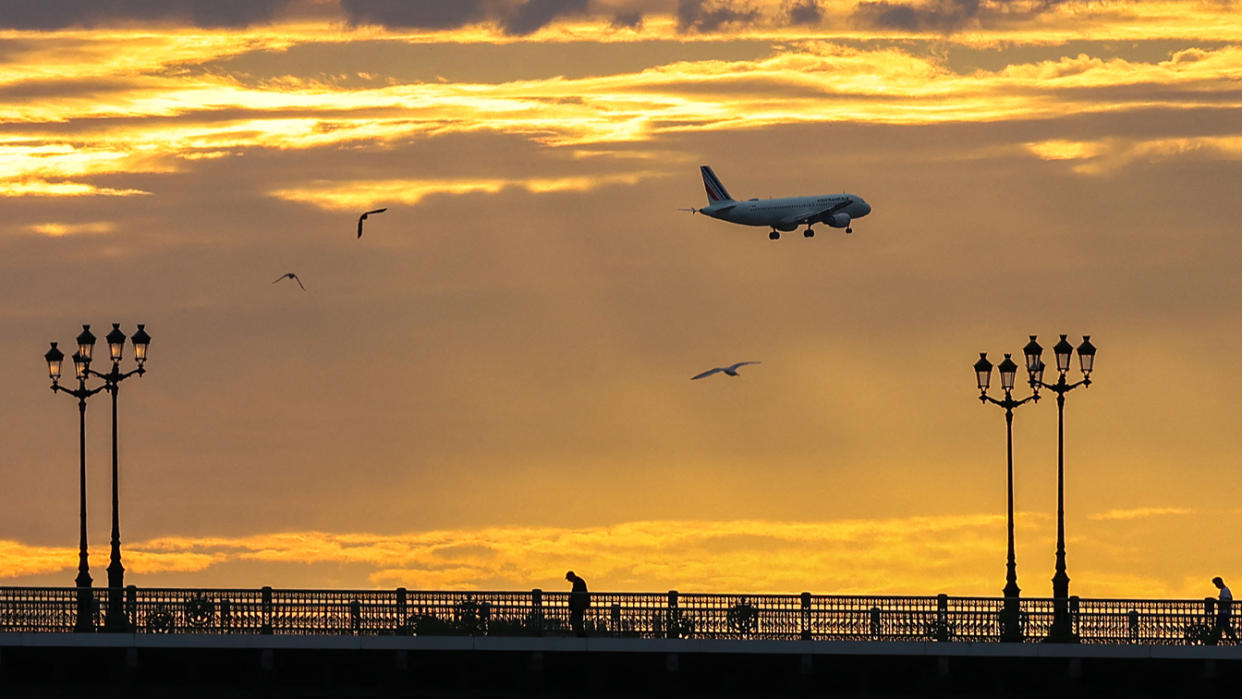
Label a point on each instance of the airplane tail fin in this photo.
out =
(715, 190)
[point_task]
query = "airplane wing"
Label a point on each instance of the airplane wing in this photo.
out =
(814, 215)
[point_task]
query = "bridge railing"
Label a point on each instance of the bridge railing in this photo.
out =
(940, 618)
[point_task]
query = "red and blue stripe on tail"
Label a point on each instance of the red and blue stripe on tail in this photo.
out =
(716, 192)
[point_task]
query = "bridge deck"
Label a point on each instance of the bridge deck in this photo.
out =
(212, 665)
(561, 644)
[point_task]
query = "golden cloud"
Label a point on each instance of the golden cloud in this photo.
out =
(22, 559)
(843, 556)
(956, 554)
(1066, 150)
(356, 195)
(1141, 512)
(57, 230)
(43, 188)
(1113, 154)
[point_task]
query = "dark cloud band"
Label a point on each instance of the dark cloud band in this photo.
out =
(513, 16)
(57, 14)
(942, 15)
(704, 16)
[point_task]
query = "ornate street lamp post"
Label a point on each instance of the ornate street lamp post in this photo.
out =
(115, 618)
(1011, 627)
(81, 367)
(1061, 631)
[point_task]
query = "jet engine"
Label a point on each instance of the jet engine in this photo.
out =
(838, 220)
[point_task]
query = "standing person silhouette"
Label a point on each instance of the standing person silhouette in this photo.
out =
(579, 600)
(1224, 610)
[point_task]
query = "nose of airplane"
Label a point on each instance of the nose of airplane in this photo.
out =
(866, 208)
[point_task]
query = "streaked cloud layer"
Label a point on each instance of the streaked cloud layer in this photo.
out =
(492, 386)
(865, 556)
(152, 107)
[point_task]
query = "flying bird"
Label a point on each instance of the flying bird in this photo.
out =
(290, 275)
(364, 217)
(731, 370)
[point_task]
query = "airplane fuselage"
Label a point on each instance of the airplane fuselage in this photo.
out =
(783, 214)
(787, 213)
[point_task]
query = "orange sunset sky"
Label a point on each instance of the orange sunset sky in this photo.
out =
(491, 386)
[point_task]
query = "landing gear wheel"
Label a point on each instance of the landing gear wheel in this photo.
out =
(808, 233)
(849, 230)
(774, 236)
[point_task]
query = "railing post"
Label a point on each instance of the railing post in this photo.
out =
(875, 622)
(536, 612)
(1073, 615)
(401, 627)
(355, 616)
(226, 614)
(1209, 636)
(1132, 621)
(131, 605)
(806, 616)
(265, 611)
(942, 617)
(673, 626)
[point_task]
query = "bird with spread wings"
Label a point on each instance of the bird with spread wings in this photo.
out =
(730, 370)
(364, 217)
(290, 275)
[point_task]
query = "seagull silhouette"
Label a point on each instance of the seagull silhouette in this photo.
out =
(364, 217)
(290, 275)
(731, 370)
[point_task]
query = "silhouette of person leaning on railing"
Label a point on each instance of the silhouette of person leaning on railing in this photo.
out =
(1224, 610)
(579, 600)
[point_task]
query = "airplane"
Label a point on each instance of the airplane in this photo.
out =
(784, 213)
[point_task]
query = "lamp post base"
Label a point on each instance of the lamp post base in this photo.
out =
(1011, 612)
(1061, 632)
(85, 622)
(1011, 628)
(1011, 621)
(115, 621)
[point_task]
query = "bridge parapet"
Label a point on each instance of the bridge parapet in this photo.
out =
(671, 615)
